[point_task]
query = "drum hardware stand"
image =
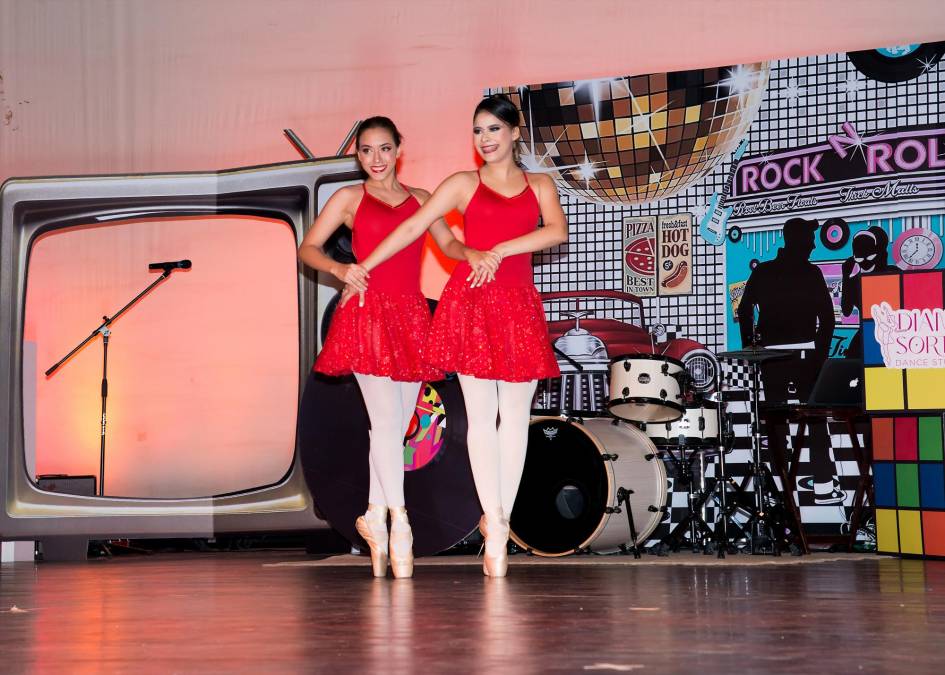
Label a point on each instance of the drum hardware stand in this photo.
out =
(699, 531)
(623, 496)
(765, 524)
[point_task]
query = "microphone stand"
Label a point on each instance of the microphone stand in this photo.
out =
(103, 329)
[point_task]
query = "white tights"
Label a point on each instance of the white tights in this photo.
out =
(497, 449)
(390, 405)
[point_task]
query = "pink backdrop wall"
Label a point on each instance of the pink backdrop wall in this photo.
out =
(101, 86)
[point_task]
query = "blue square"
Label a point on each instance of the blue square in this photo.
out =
(872, 355)
(932, 485)
(884, 483)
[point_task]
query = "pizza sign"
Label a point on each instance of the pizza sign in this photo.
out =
(639, 261)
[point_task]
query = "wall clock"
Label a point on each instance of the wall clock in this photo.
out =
(917, 249)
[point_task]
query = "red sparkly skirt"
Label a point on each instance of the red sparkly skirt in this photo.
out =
(494, 332)
(382, 338)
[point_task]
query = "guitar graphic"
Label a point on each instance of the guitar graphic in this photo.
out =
(712, 227)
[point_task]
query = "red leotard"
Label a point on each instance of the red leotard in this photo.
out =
(496, 331)
(384, 336)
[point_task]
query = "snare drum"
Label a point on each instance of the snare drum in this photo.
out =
(698, 426)
(646, 388)
(568, 493)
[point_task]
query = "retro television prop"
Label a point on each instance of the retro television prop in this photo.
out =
(32, 209)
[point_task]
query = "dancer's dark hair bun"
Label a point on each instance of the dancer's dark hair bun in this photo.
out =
(378, 122)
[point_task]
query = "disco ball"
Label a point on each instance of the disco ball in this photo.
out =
(641, 138)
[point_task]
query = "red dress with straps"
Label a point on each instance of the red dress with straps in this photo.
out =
(384, 336)
(496, 331)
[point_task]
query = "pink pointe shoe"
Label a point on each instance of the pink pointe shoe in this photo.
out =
(372, 527)
(401, 544)
(495, 530)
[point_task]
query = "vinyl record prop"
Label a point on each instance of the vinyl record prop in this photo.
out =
(898, 63)
(334, 444)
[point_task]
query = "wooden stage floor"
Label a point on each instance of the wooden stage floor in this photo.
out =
(286, 612)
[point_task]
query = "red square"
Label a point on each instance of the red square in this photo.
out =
(933, 532)
(922, 290)
(907, 439)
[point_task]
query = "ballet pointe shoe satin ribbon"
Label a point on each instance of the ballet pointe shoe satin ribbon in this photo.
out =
(495, 531)
(372, 527)
(401, 544)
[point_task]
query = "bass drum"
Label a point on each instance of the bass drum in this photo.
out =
(573, 470)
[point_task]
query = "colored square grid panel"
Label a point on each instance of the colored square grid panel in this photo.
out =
(907, 484)
(925, 388)
(880, 288)
(910, 532)
(930, 438)
(884, 390)
(932, 486)
(887, 531)
(933, 532)
(906, 435)
(884, 483)
(922, 290)
(882, 438)
(872, 352)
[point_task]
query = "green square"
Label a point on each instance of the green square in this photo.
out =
(907, 484)
(930, 438)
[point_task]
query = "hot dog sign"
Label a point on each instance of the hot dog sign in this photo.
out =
(657, 255)
(674, 247)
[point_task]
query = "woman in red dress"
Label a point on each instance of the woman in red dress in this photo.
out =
(379, 338)
(489, 325)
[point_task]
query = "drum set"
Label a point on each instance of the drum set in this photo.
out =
(596, 482)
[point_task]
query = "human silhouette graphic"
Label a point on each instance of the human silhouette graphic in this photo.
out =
(794, 313)
(870, 256)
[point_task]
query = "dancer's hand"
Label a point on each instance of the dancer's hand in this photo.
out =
(484, 266)
(353, 275)
(349, 292)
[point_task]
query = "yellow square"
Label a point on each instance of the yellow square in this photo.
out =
(659, 120)
(910, 532)
(640, 105)
(613, 171)
(700, 143)
(623, 125)
(926, 388)
(693, 113)
(641, 140)
(883, 388)
(887, 531)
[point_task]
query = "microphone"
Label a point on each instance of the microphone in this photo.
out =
(172, 265)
